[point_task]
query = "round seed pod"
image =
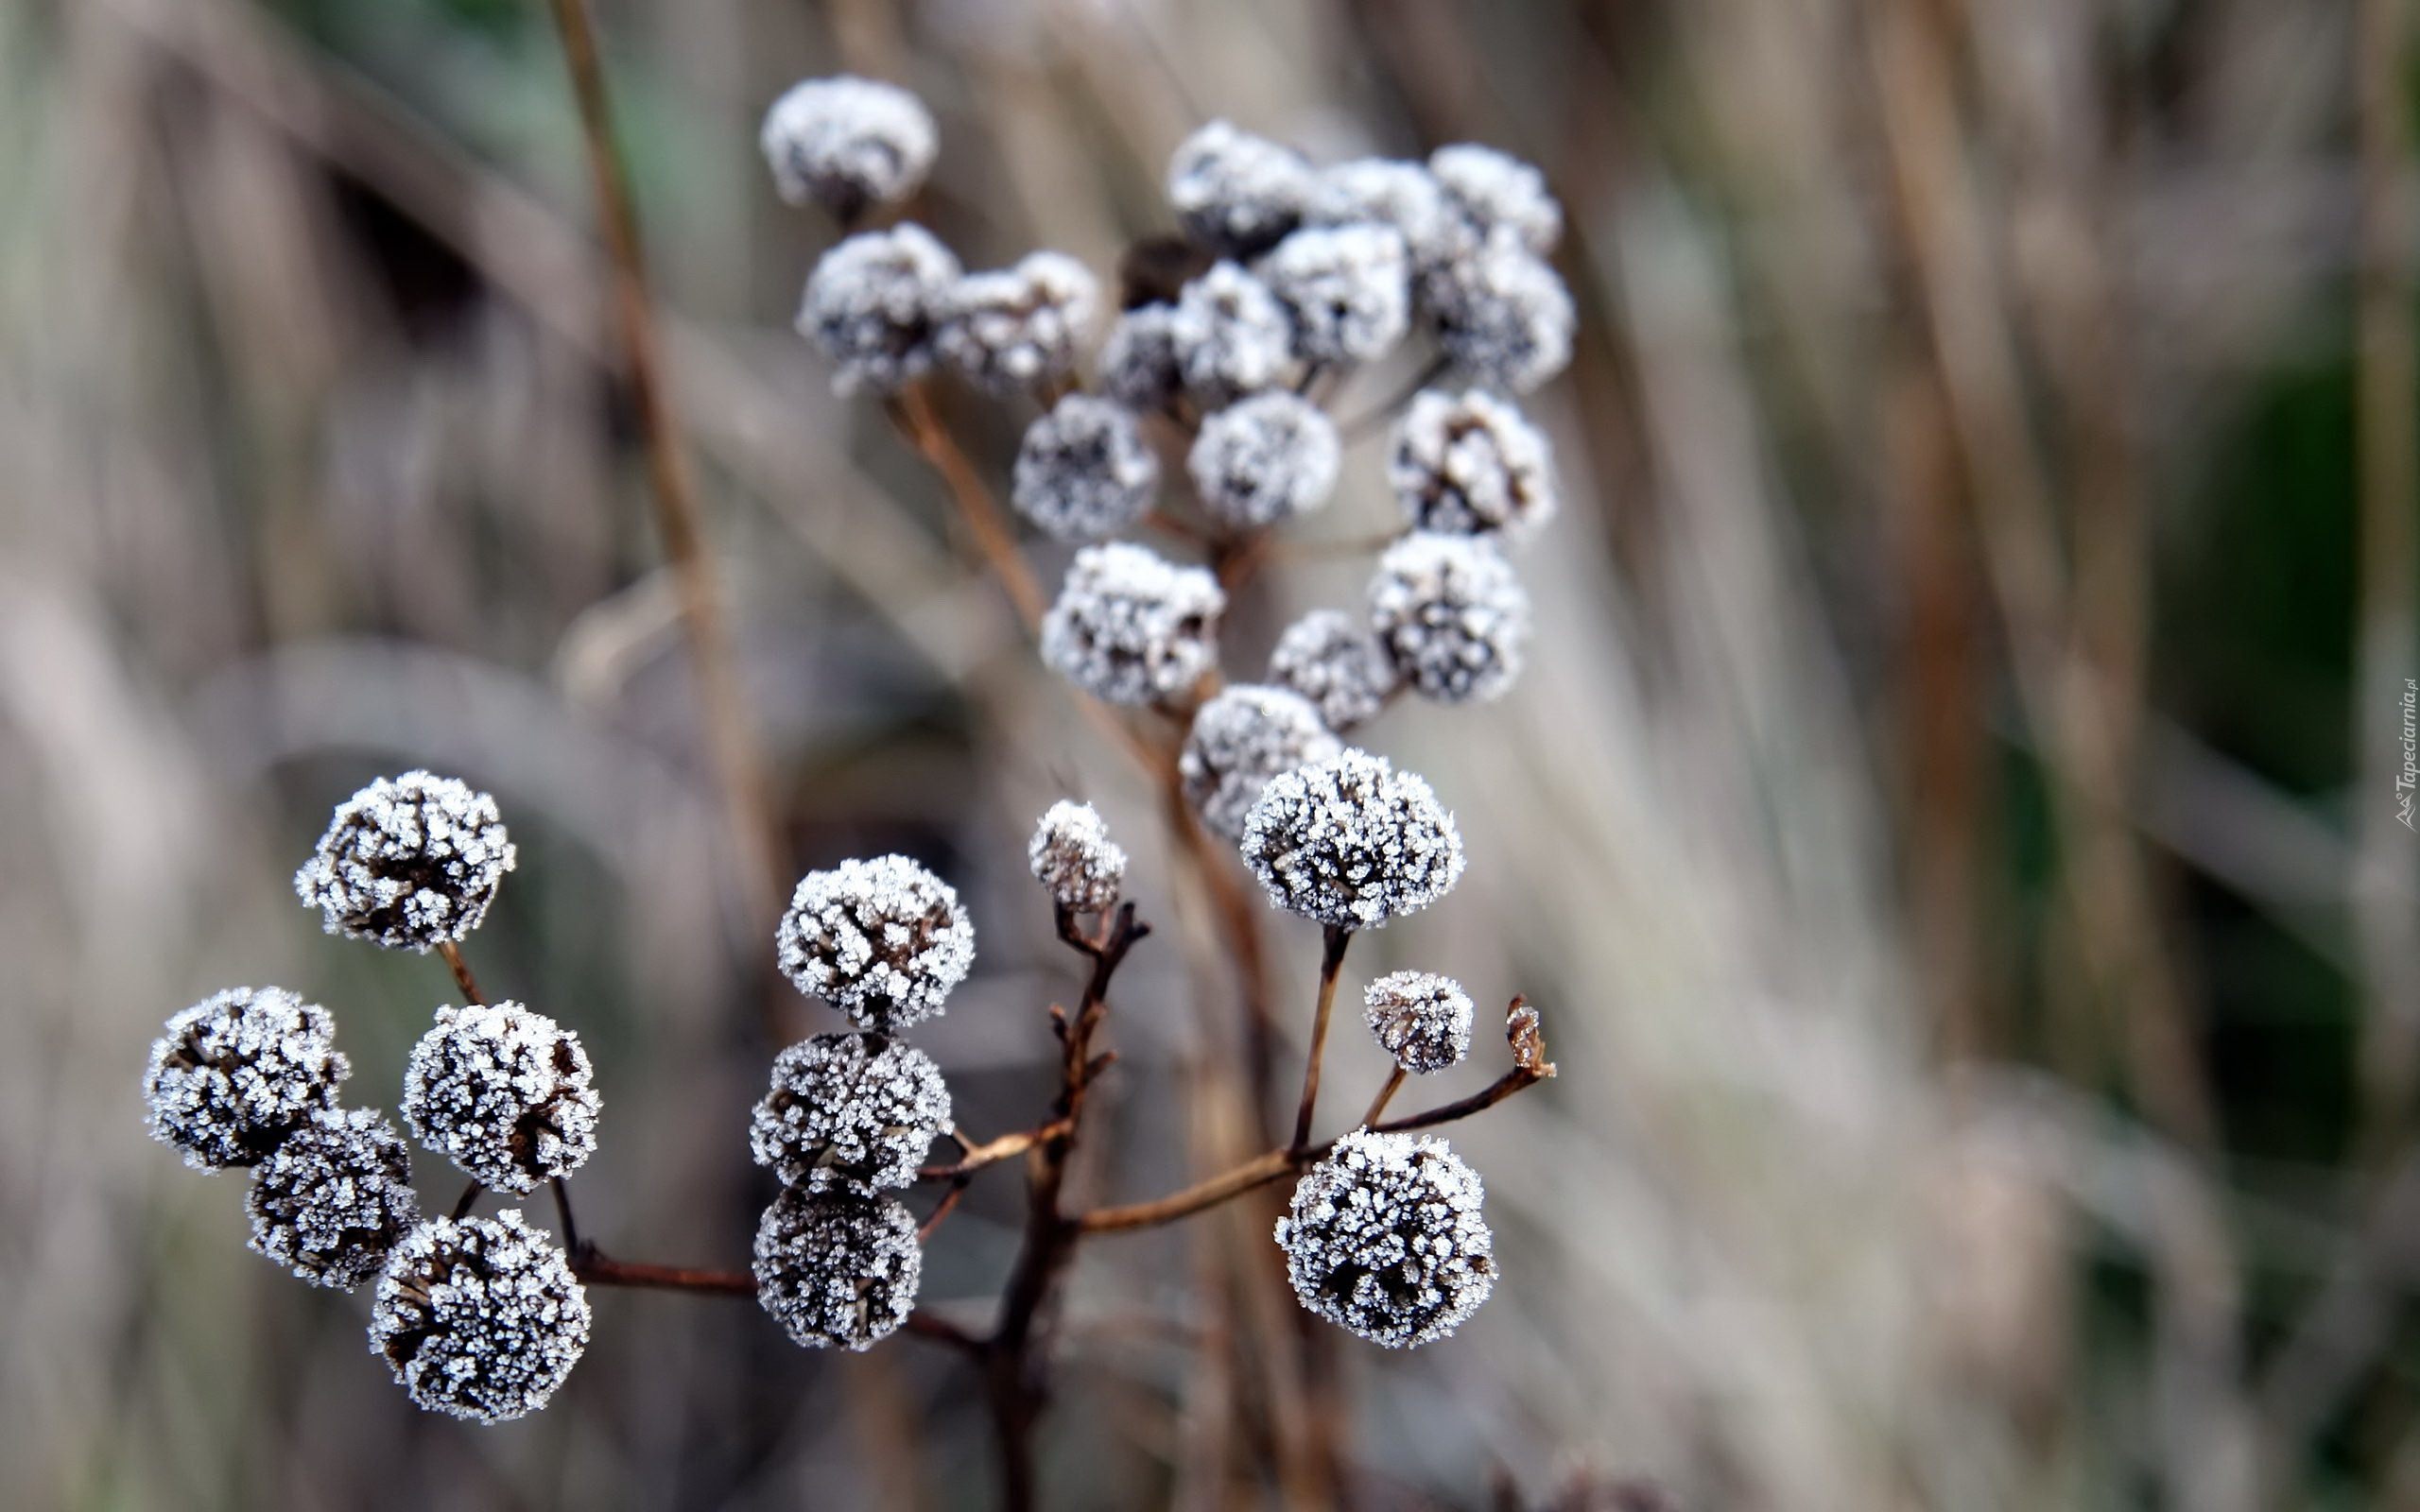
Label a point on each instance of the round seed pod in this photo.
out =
(1347, 288)
(505, 1093)
(1073, 856)
(1132, 627)
(1405, 196)
(1334, 661)
(1497, 191)
(238, 1072)
(1083, 471)
(838, 1270)
(1468, 464)
(846, 143)
(1239, 740)
(883, 940)
(1423, 1020)
(479, 1317)
(873, 304)
(1385, 1239)
(849, 1113)
(334, 1198)
(1016, 327)
(1230, 336)
(1453, 616)
(1352, 843)
(1503, 316)
(1238, 192)
(1264, 458)
(1138, 360)
(408, 862)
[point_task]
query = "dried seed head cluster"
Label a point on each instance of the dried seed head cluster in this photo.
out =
(846, 143)
(1239, 740)
(334, 1198)
(849, 1113)
(1348, 289)
(838, 1269)
(1503, 316)
(882, 940)
(1384, 1238)
(505, 1093)
(1468, 464)
(1422, 1019)
(1264, 458)
(1138, 360)
(1404, 196)
(1083, 471)
(1073, 856)
(1351, 843)
(479, 1317)
(1337, 663)
(1131, 626)
(408, 862)
(237, 1073)
(1230, 336)
(1494, 190)
(873, 305)
(1012, 329)
(1453, 616)
(1236, 192)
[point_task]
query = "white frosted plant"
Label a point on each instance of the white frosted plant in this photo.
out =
(1138, 359)
(1132, 627)
(1388, 192)
(1469, 464)
(1385, 1239)
(334, 1198)
(479, 1317)
(238, 1072)
(1351, 843)
(1239, 740)
(1264, 458)
(1422, 1019)
(846, 143)
(849, 1113)
(1238, 192)
(1072, 855)
(1337, 663)
(1083, 469)
(838, 1270)
(505, 1093)
(1453, 614)
(883, 940)
(1230, 336)
(874, 303)
(1494, 190)
(1503, 316)
(1347, 288)
(408, 862)
(1017, 327)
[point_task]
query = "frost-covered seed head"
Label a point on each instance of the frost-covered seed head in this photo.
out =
(1238, 192)
(1494, 190)
(334, 1198)
(1348, 289)
(1405, 196)
(872, 303)
(849, 1113)
(1083, 471)
(408, 862)
(1423, 1020)
(1385, 1239)
(1352, 843)
(236, 1073)
(1239, 740)
(479, 1317)
(1503, 316)
(1452, 613)
(1131, 626)
(1232, 337)
(846, 143)
(1138, 363)
(1333, 660)
(838, 1270)
(505, 1093)
(1016, 327)
(1468, 464)
(883, 940)
(1264, 458)
(1073, 856)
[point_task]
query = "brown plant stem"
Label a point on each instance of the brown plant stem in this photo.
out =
(912, 411)
(1332, 948)
(452, 954)
(469, 1200)
(595, 1269)
(973, 1158)
(1386, 1095)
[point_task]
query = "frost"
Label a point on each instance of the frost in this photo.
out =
(1348, 289)
(884, 942)
(1138, 361)
(1016, 327)
(845, 143)
(1334, 661)
(1503, 316)
(408, 862)
(838, 1270)
(1452, 614)
(1264, 458)
(334, 1198)
(1131, 626)
(1238, 192)
(872, 304)
(1405, 196)
(1230, 336)
(1468, 464)
(1352, 843)
(849, 1113)
(1385, 1239)
(236, 1073)
(1083, 471)
(1239, 740)
(479, 1317)
(1494, 190)
(1072, 855)
(504, 1094)
(1423, 1020)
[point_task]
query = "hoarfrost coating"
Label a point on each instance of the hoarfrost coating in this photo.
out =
(1469, 464)
(236, 1073)
(1351, 843)
(1264, 458)
(505, 1093)
(1348, 289)
(408, 862)
(1497, 191)
(1503, 316)
(1083, 471)
(1453, 614)
(1132, 627)
(872, 303)
(1230, 336)
(1335, 662)
(1239, 740)
(1384, 1238)
(1017, 327)
(846, 143)
(838, 1270)
(1138, 359)
(1422, 1019)
(479, 1317)
(883, 940)
(1405, 196)
(849, 1113)
(1073, 856)
(334, 1198)
(1236, 192)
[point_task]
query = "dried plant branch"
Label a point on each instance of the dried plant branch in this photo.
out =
(1385, 1094)
(1332, 948)
(452, 954)
(912, 412)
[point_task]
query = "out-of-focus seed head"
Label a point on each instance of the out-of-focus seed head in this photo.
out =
(883, 940)
(479, 1317)
(1131, 626)
(408, 862)
(1405, 196)
(335, 1198)
(1016, 327)
(1239, 740)
(1230, 335)
(1334, 661)
(1423, 1020)
(1503, 316)
(846, 143)
(1352, 843)
(1238, 192)
(238, 1072)
(873, 304)
(505, 1093)
(1348, 289)
(1452, 613)
(835, 1269)
(1138, 362)
(1083, 471)
(849, 1113)
(1385, 1239)
(1073, 856)
(1468, 464)
(1264, 458)
(1494, 190)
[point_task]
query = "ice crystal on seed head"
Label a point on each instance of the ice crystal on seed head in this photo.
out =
(1453, 616)
(408, 862)
(872, 303)
(335, 1198)
(838, 1270)
(1239, 740)
(1073, 856)
(1264, 458)
(1238, 192)
(238, 1072)
(1503, 316)
(1405, 196)
(1230, 336)
(1334, 661)
(883, 940)
(1348, 289)
(479, 1317)
(1138, 361)
(849, 1113)
(845, 143)
(1083, 471)
(1468, 464)
(1352, 843)
(1423, 1020)
(1016, 327)
(1131, 626)
(505, 1093)
(1385, 1239)
(1494, 190)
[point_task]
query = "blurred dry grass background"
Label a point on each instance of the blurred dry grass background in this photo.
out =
(1948, 821)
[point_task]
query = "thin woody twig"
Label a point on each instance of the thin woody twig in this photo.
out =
(912, 412)
(1332, 948)
(451, 955)
(1386, 1095)
(974, 1157)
